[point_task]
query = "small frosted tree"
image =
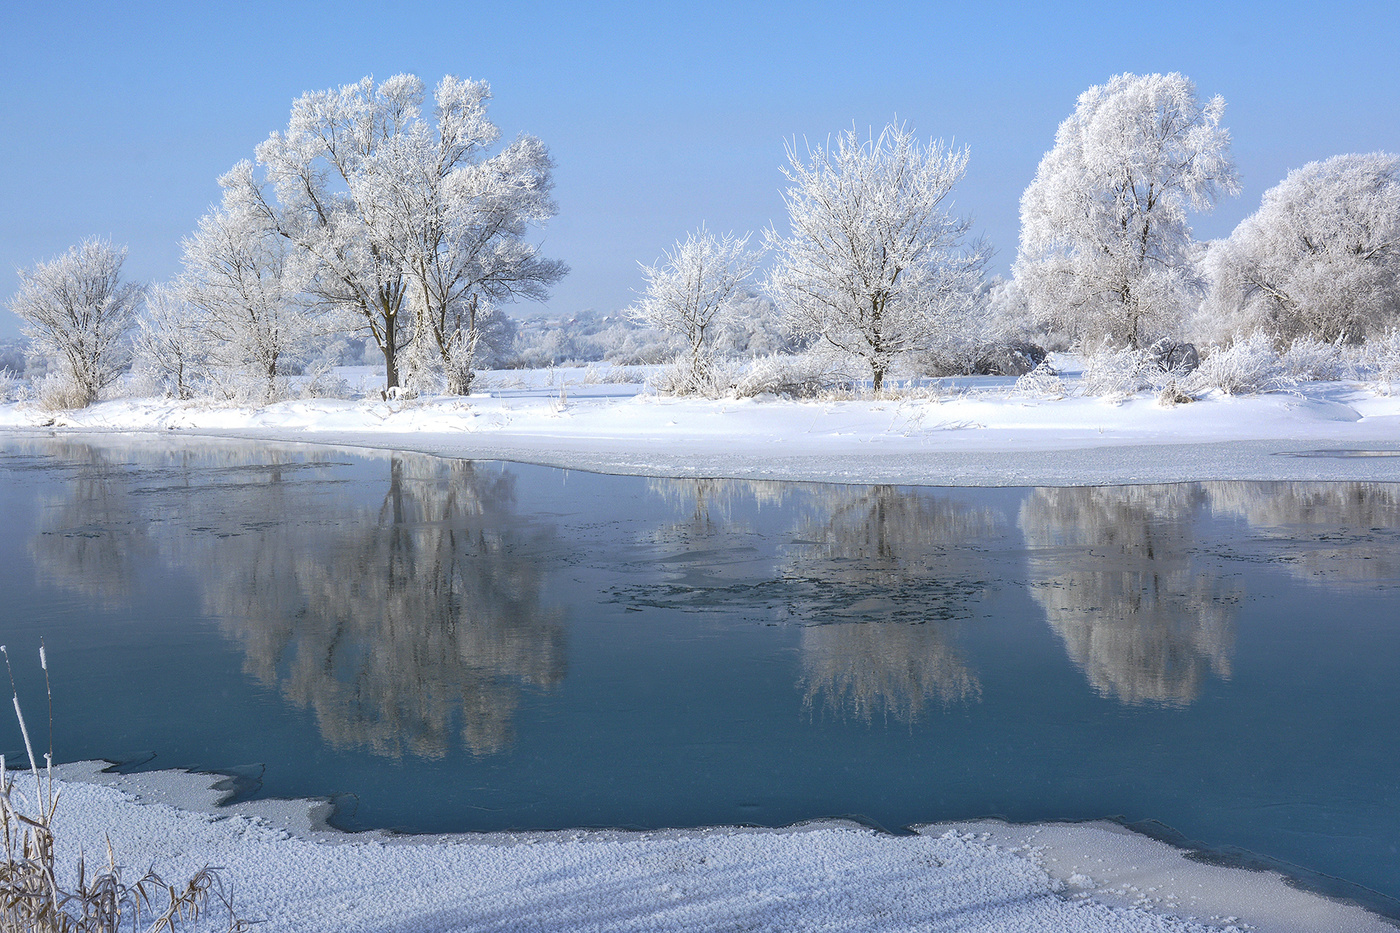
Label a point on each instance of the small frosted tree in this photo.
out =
(170, 344)
(1320, 258)
(875, 265)
(693, 290)
(78, 313)
(1105, 247)
(240, 280)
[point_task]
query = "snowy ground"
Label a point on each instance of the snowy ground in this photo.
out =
(291, 876)
(986, 877)
(960, 432)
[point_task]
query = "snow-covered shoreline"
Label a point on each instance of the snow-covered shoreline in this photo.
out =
(971, 436)
(291, 873)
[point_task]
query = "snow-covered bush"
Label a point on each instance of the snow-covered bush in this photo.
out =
(687, 376)
(803, 375)
(1041, 382)
(1246, 366)
(1309, 359)
(1383, 353)
(57, 391)
(1118, 372)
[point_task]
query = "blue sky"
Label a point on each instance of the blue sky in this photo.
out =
(119, 118)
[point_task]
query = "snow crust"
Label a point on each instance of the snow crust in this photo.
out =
(291, 874)
(967, 432)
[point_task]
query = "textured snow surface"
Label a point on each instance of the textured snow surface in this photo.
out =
(978, 434)
(292, 874)
(825, 878)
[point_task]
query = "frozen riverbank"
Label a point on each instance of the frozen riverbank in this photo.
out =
(980, 434)
(289, 874)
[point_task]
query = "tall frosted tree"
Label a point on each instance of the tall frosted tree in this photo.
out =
(403, 221)
(1321, 256)
(1106, 250)
(694, 290)
(79, 314)
(875, 265)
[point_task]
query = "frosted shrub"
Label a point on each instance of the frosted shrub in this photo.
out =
(803, 375)
(59, 392)
(1383, 353)
(1247, 366)
(689, 376)
(1041, 382)
(1115, 372)
(1310, 359)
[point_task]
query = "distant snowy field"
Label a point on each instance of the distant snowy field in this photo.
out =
(957, 431)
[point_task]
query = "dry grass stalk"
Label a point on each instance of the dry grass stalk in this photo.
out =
(34, 899)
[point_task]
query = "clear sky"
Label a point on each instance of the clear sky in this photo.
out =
(118, 118)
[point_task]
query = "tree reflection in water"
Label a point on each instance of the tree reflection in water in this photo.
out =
(1116, 571)
(424, 618)
(884, 574)
(1327, 534)
(877, 577)
(90, 541)
(398, 625)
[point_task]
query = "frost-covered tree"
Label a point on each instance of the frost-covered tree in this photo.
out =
(78, 313)
(402, 220)
(1320, 257)
(241, 284)
(1106, 250)
(692, 292)
(875, 265)
(170, 344)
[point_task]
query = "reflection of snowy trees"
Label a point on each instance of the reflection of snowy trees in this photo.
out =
(1332, 534)
(90, 541)
(877, 575)
(408, 624)
(422, 620)
(890, 570)
(1113, 567)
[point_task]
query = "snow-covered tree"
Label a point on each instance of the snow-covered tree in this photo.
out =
(243, 288)
(391, 211)
(693, 290)
(1320, 257)
(1106, 250)
(170, 344)
(875, 265)
(78, 313)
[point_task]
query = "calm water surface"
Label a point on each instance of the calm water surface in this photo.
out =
(450, 645)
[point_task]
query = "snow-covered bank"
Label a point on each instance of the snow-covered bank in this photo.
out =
(288, 875)
(979, 434)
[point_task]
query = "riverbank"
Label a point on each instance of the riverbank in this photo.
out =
(975, 432)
